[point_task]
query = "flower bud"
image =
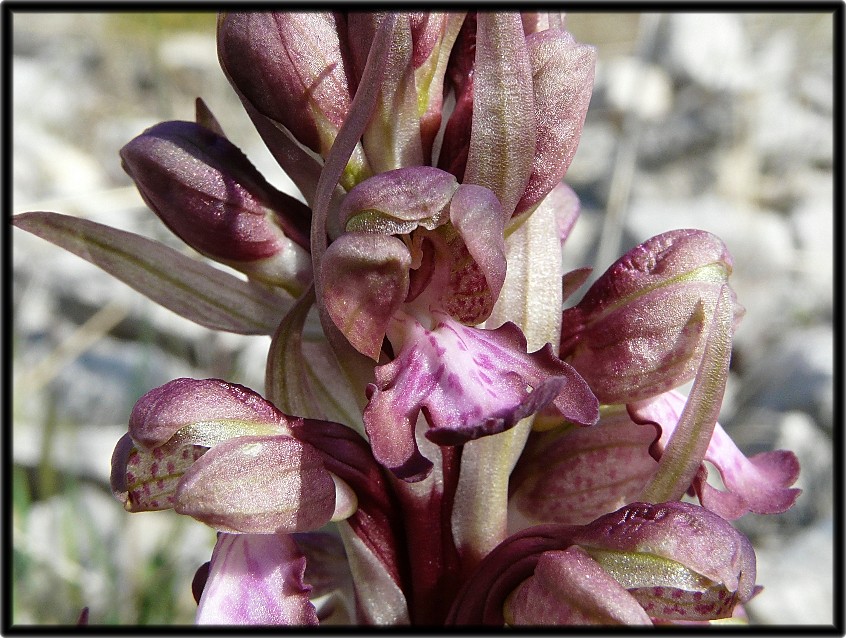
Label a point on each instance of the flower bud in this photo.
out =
(289, 67)
(642, 327)
(210, 195)
(676, 561)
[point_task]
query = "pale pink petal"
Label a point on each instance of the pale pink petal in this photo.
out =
(258, 485)
(502, 141)
(760, 484)
(163, 411)
(365, 281)
(562, 77)
(579, 474)
(469, 382)
(256, 580)
(570, 588)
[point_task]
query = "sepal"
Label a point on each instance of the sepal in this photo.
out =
(256, 579)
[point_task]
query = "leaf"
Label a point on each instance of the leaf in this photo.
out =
(303, 377)
(186, 286)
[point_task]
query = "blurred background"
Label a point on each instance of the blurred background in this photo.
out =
(716, 121)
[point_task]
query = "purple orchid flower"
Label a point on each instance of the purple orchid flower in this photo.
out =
(419, 351)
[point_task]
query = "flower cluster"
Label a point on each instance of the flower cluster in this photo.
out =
(437, 441)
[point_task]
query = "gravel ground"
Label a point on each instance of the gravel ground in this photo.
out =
(716, 121)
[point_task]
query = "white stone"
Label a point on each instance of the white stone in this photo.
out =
(709, 48)
(797, 578)
(639, 88)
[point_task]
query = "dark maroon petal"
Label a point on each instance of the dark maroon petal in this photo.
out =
(198, 583)
(290, 67)
(209, 194)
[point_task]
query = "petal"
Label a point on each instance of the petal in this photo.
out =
(147, 480)
(365, 281)
(697, 541)
(373, 535)
(433, 35)
(205, 118)
(678, 254)
(574, 475)
(570, 588)
(567, 208)
(258, 485)
(398, 201)
(479, 219)
(290, 67)
(459, 77)
(671, 603)
(760, 484)
(206, 191)
(301, 376)
(327, 568)
(562, 78)
(256, 580)
(216, 408)
(392, 137)
(678, 546)
(470, 383)
(642, 328)
(503, 109)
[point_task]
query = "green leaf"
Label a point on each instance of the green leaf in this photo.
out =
(186, 286)
(303, 377)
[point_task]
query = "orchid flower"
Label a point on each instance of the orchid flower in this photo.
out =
(437, 442)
